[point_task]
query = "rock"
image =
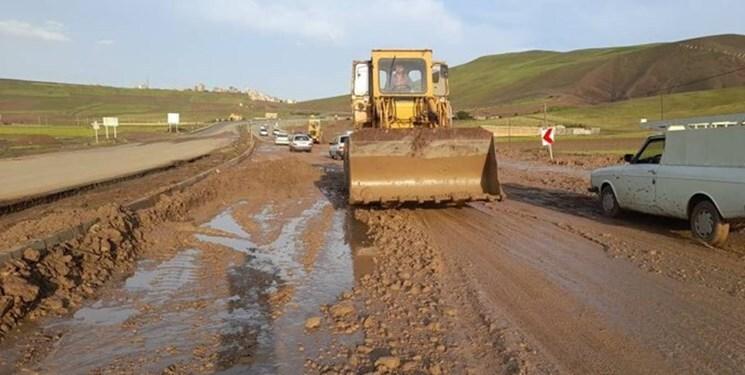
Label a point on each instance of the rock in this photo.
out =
(435, 370)
(6, 302)
(342, 310)
(55, 304)
(409, 366)
(313, 323)
(364, 349)
(389, 362)
(18, 287)
(32, 255)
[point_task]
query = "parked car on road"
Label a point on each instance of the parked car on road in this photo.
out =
(281, 139)
(336, 148)
(263, 132)
(301, 142)
(694, 174)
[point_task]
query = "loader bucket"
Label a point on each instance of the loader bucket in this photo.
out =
(421, 165)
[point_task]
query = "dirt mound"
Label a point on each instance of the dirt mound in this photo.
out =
(404, 310)
(58, 279)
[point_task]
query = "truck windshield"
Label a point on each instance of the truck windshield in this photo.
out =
(652, 152)
(402, 76)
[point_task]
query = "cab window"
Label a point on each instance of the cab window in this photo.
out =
(402, 76)
(651, 153)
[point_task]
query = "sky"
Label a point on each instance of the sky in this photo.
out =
(303, 49)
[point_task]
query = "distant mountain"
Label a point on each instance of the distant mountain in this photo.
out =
(521, 82)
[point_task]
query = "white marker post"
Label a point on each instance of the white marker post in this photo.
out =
(96, 126)
(110, 122)
(547, 139)
(173, 120)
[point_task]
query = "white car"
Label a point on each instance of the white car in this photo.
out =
(336, 148)
(281, 139)
(694, 174)
(263, 132)
(301, 142)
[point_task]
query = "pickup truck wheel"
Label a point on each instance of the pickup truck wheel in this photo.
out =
(707, 225)
(609, 203)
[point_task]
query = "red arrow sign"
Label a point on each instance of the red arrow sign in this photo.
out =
(547, 136)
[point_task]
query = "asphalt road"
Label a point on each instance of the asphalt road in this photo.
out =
(46, 173)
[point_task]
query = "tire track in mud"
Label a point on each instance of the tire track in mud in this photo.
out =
(584, 311)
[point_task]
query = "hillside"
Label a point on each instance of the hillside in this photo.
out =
(30, 102)
(519, 82)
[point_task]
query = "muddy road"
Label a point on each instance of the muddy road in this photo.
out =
(263, 269)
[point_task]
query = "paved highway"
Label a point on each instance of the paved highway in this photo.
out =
(46, 173)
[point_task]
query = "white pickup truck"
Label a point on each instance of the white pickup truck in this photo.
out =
(694, 174)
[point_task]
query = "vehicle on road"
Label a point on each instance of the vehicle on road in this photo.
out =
(301, 142)
(281, 139)
(263, 132)
(404, 148)
(336, 147)
(688, 173)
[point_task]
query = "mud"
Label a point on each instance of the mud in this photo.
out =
(263, 269)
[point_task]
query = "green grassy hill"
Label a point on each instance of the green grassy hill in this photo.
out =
(30, 102)
(519, 82)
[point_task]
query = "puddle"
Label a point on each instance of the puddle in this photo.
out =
(97, 314)
(361, 246)
(225, 222)
(278, 341)
(122, 325)
(152, 322)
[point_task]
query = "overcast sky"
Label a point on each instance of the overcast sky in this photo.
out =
(303, 49)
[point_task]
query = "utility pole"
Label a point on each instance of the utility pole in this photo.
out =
(662, 106)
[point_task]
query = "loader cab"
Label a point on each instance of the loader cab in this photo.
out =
(401, 73)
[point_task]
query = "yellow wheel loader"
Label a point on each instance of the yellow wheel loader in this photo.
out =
(314, 129)
(404, 148)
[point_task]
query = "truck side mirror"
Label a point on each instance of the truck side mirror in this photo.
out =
(628, 158)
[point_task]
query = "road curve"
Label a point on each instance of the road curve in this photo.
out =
(47, 173)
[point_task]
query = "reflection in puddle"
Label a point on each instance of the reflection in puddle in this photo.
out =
(97, 314)
(278, 341)
(225, 222)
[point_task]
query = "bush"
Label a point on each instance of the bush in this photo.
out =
(463, 115)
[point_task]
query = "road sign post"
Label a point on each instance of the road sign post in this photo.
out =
(96, 126)
(547, 139)
(173, 120)
(110, 122)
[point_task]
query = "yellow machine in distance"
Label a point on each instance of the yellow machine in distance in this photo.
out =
(404, 148)
(314, 129)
